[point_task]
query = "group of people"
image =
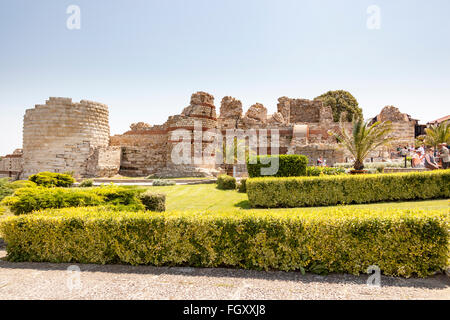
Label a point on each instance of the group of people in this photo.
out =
(426, 158)
(321, 162)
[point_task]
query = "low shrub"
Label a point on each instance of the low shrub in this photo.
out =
(51, 179)
(379, 165)
(26, 200)
(5, 188)
(153, 201)
(87, 183)
(242, 187)
(289, 165)
(163, 182)
(329, 171)
(347, 189)
(22, 184)
(225, 182)
(345, 240)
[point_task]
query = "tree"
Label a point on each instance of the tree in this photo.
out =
(341, 101)
(363, 139)
(437, 134)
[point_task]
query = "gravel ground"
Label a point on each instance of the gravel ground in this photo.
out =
(32, 280)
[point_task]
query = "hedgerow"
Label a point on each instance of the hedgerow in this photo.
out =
(289, 165)
(318, 171)
(347, 189)
(26, 200)
(399, 242)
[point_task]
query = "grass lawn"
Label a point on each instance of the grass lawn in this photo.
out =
(208, 197)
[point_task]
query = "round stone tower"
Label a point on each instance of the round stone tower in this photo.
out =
(61, 135)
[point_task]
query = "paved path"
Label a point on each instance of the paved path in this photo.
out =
(53, 281)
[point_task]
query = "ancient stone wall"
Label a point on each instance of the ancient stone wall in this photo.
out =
(11, 165)
(303, 110)
(65, 136)
(61, 135)
(403, 126)
(104, 162)
(144, 149)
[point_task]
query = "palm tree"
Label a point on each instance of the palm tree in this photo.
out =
(437, 134)
(363, 139)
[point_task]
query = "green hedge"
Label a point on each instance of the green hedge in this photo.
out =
(328, 171)
(290, 165)
(347, 189)
(27, 200)
(153, 201)
(51, 179)
(226, 182)
(349, 240)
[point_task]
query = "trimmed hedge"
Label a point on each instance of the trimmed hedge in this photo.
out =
(400, 242)
(153, 201)
(347, 189)
(226, 182)
(290, 165)
(26, 200)
(51, 179)
(328, 171)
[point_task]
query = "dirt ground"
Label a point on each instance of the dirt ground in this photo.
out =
(32, 280)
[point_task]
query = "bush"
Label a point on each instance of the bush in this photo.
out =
(290, 165)
(380, 166)
(162, 183)
(400, 242)
(87, 183)
(225, 182)
(5, 188)
(27, 200)
(242, 186)
(329, 171)
(22, 184)
(51, 179)
(153, 201)
(347, 189)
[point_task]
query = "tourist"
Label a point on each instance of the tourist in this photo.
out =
(430, 162)
(418, 159)
(444, 154)
(320, 161)
(422, 149)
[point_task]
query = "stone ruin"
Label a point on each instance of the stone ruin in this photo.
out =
(63, 136)
(404, 127)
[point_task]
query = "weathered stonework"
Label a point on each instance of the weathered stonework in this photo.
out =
(403, 126)
(11, 165)
(61, 135)
(65, 136)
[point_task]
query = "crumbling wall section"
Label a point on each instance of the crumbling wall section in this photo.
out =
(403, 127)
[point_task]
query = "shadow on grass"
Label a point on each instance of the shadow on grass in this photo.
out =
(244, 204)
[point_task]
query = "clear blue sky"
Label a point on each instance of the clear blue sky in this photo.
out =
(145, 58)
